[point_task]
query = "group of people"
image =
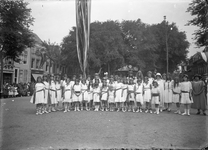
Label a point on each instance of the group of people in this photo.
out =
(114, 93)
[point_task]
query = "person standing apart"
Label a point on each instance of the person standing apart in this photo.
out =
(199, 99)
(186, 94)
(38, 96)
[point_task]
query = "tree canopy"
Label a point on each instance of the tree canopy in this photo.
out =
(199, 9)
(115, 44)
(15, 20)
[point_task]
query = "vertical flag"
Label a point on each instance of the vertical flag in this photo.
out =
(83, 9)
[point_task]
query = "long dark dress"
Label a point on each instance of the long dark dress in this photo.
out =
(199, 99)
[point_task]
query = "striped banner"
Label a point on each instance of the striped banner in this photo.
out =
(83, 9)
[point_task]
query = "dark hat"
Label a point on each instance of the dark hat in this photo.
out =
(197, 75)
(155, 82)
(185, 75)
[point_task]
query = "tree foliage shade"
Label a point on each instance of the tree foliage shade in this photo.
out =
(114, 44)
(199, 9)
(15, 20)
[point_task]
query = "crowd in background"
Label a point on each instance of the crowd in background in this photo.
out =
(153, 93)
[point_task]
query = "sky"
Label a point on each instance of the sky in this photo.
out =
(55, 18)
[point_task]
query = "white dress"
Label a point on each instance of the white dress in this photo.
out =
(161, 88)
(84, 89)
(104, 93)
(139, 93)
(59, 92)
(77, 96)
(46, 92)
(38, 96)
(147, 92)
(52, 93)
(176, 97)
(118, 90)
(168, 94)
(96, 94)
(131, 95)
(155, 99)
(185, 89)
(67, 93)
(124, 95)
(111, 98)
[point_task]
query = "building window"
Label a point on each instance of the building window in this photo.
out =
(32, 62)
(37, 63)
(15, 75)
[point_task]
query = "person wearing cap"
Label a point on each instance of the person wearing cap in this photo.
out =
(47, 99)
(52, 94)
(160, 82)
(186, 94)
(199, 99)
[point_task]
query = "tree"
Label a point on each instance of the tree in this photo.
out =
(15, 35)
(176, 42)
(15, 20)
(199, 9)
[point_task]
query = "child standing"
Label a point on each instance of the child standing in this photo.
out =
(77, 96)
(139, 94)
(96, 94)
(84, 94)
(168, 87)
(131, 95)
(90, 95)
(177, 94)
(155, 96)
(124, 94)
(147, 94)
(67, 95)
(38, 95)
(53, 94)
(186, 94)
(59, 92)
(104, 96)
(46, 100)
(118, 91)
(111, 99)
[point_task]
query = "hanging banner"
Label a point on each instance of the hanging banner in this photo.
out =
(83, 10)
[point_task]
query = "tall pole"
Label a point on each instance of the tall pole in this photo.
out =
(166, 44)
(2, 70)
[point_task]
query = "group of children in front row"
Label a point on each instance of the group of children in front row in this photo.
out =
(120, 94)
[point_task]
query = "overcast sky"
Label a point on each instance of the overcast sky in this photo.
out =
(54, 19)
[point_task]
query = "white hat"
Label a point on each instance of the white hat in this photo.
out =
(158, 74)
(106, 73)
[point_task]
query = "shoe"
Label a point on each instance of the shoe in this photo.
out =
(137, 110)
(37, 113)
(65, 111)
(183, 114)
(176, 112)
(40, 113)
(155, 112)
(133, 110)
(150, 112)
(198, 113)
(169, 110)
(129, 110)
(146, 111)
(140, 110)
(118, 110)
(179, 112)
(161, 110)
(49, 111)
(188, 114)
(78, 110)
(68, 110)
(164, 109)
(106, 109)
(204, 114)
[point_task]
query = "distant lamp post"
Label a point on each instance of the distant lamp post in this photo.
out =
(166, 44)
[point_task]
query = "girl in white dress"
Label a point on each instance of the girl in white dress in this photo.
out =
(168, 87)
(46, 100)
(53, 94)
(186, 94)
(118, 91)
(85, 96)
(155, 94)
(131, 95)
(124, 94)
(77, 95)
(147, 94)
(59, 93)
(38, 95)
(96, 94)
(177, 94)
(139, 89)
(104, 96)
(90, 95)
(111, 98)
(67, 95)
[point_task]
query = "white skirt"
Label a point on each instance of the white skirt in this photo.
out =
(131, 97)
(67, 96)
(85, 96)
(77, 98)
(176, 98)
(168, 96)
(53, 97)
(118, 95)
(96, 97)
(39, 98)
(59, 99)
(147, 95)
(124, 96)
(139, 98)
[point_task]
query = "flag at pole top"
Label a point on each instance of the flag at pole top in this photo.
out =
(83, 12)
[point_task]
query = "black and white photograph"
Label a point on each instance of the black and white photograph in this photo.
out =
(103, 74)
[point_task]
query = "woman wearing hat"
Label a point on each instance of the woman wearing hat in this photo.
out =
(160, 82)
(186, 94)
(199, 99)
